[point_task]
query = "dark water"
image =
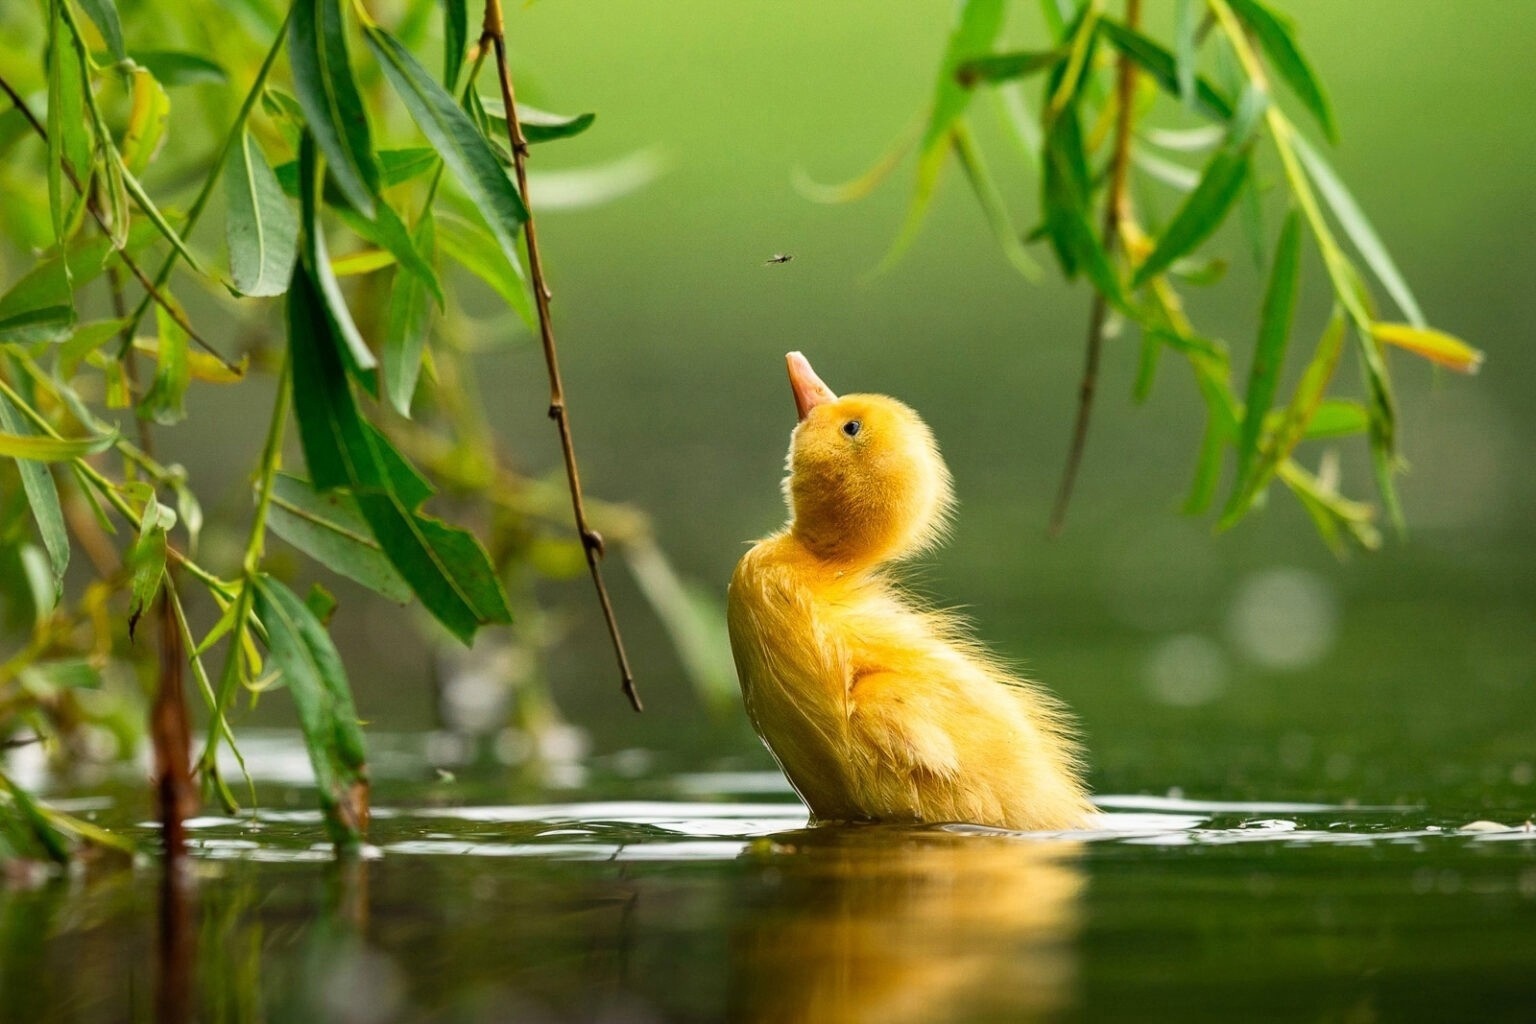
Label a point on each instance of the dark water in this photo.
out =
(703, 896)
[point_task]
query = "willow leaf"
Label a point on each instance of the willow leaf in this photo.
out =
(104, 14)
(977, 25)
(1165, 69)
(444, 566)
(405, 332)
(261, 228)
(990, 198)
(52, 449)
(537, 125)
(1437, 346)
(1268, 355)
(328, 94)
(1006, 67)
(1202, 212)
(43, 496)
(1278, 38)
(455, 41)
(317, 681)
(352, 346)
(173, 68)
(165, 401)
(1358, 227)
(464, 150)
(328, 528)
(146, 560)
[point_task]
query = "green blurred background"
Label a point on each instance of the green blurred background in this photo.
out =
(1250, 663)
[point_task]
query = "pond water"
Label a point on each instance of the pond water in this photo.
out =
(619, 895)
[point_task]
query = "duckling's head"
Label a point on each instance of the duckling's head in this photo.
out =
(866, 482)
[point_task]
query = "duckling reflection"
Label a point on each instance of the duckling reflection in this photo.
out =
(891, 924)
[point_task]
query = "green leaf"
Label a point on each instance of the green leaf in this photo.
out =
(318, 262)
(455, 41)
(317, 681)
(471, 246)
(991, 200)
(1277, 36)
(328, 528)
(397, 166)
(333, 109)
(52, 449)
(260, 226)
(537, 125)
(977, 25)
(1268, 356)
(1165, 69)
(146, 560)
(104, 14)
(1185, 26)
(69, 142)
(147, 117)
(40, 306)
(463, 149)
(1203, 210)
(1358, 227)
(388, 232)
(1295, 422)
(165, 402)
(43, 497)
(1336, 417)
(405, 332)
(48, 837)
(444, 566)
(174, 68)
(1065, 196)
(1006, 67)
(135, 189)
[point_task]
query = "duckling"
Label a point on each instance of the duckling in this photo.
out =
(875, 708)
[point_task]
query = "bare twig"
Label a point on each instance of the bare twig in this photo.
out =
(170, 736)
(591, 540)
(150, 289)
(1116, 207)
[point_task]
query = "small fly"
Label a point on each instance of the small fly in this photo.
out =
(779, 257)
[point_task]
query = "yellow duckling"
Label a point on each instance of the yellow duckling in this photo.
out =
(876, 709)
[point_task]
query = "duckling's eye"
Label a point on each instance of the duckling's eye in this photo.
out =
(851, 428)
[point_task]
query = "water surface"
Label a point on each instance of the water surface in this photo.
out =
(704, 896)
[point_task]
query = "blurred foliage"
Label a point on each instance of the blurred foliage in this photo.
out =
(327, 140)
(1100, 84)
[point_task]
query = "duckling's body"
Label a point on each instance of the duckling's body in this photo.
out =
(877, 709)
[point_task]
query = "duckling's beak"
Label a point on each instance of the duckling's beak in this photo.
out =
(808, 388)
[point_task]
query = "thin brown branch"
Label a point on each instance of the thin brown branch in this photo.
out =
(171, 737)
(1116, 207)
(591, 540)
(128, 261)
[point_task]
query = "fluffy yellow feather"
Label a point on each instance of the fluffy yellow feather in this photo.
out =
(877, 709)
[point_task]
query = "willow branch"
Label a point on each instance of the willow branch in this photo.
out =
(1116, 207)
(591, 540)
(152, 291)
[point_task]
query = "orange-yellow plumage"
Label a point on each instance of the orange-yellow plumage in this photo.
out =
(877, 709)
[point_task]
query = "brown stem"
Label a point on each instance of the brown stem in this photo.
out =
(1116, 206)
(128, 261)
(591, 540)
(171, 737)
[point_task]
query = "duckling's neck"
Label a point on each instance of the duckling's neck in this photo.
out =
(844, 549)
